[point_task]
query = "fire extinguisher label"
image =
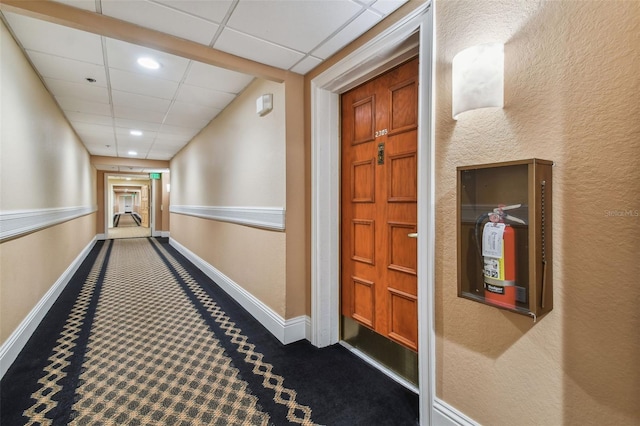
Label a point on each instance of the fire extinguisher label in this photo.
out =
(496, 289)
(492, 239)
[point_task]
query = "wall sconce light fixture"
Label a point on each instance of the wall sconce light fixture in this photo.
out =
(478, 78)
(264, 104)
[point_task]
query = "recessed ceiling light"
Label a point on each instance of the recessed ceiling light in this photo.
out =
(135, 133)
(149, 63)
(132, 153)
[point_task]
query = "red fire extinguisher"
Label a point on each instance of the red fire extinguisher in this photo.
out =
(499, 256)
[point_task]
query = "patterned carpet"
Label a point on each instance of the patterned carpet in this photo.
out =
(139, 339)
(124, 220)
(129, 232)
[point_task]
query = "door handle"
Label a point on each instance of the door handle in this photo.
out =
(413, 235)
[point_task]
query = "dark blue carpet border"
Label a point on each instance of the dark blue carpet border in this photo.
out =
(21, 379)
(339, 387)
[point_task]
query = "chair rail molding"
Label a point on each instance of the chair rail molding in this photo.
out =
(272, 218)
(16, 223)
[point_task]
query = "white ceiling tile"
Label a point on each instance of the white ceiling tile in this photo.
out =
(94, 129)
(205, 97)
(215, 78)
(142, 85)
(349, 33)
(306, 65)
(133, 100)
(153, 155)
(159, 17)
(299, 25)
(54, 39)
(210, 10)
(138, 114)
(194, 110)
(258, 50)
(168, 144)
(74, 104)
(83, 91)
(60, 68)
(124, 152)
(98, 140)
(388, 6)
(81, 117)
(124, 133)
(138, 125)
(187, 132)
(101, 149)
(124, 56)
(190, 115)
(134, 145)
(170, 138)
(80, 4)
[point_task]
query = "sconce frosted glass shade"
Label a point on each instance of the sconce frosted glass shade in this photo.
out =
(478, 78)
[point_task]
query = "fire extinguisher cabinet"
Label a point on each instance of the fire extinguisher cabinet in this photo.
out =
(504, 235)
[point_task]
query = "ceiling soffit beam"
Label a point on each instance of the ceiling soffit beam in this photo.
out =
(62, 14)
(129, 162)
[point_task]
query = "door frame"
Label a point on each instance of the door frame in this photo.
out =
(108, 200)
(388, 49)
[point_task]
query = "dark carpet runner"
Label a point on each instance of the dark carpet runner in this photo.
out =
(124, 220)
(140, 336)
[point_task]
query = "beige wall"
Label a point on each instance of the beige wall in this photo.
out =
(42, 165)
(253, 258)
(30, 265)
(572, 80)
(239, 160)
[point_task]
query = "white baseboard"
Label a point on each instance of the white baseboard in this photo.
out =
(101, 237)
(166, 234)
(286, 331)
(13, 345)
(447, 415)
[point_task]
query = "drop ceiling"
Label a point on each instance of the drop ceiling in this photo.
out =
(172, 104)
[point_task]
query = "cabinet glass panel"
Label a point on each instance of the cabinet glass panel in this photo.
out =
(503, 226)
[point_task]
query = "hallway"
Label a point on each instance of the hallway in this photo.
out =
(141, 336)
(236, 131)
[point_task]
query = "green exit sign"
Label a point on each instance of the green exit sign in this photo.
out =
(154, 175)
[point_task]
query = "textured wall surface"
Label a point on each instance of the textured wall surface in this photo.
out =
(572, 81)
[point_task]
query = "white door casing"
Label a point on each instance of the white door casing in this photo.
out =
(388, 49)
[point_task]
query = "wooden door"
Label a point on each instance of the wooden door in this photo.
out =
(379, 204)
(144, 206)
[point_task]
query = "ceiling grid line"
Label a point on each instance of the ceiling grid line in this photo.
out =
(105, 59)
